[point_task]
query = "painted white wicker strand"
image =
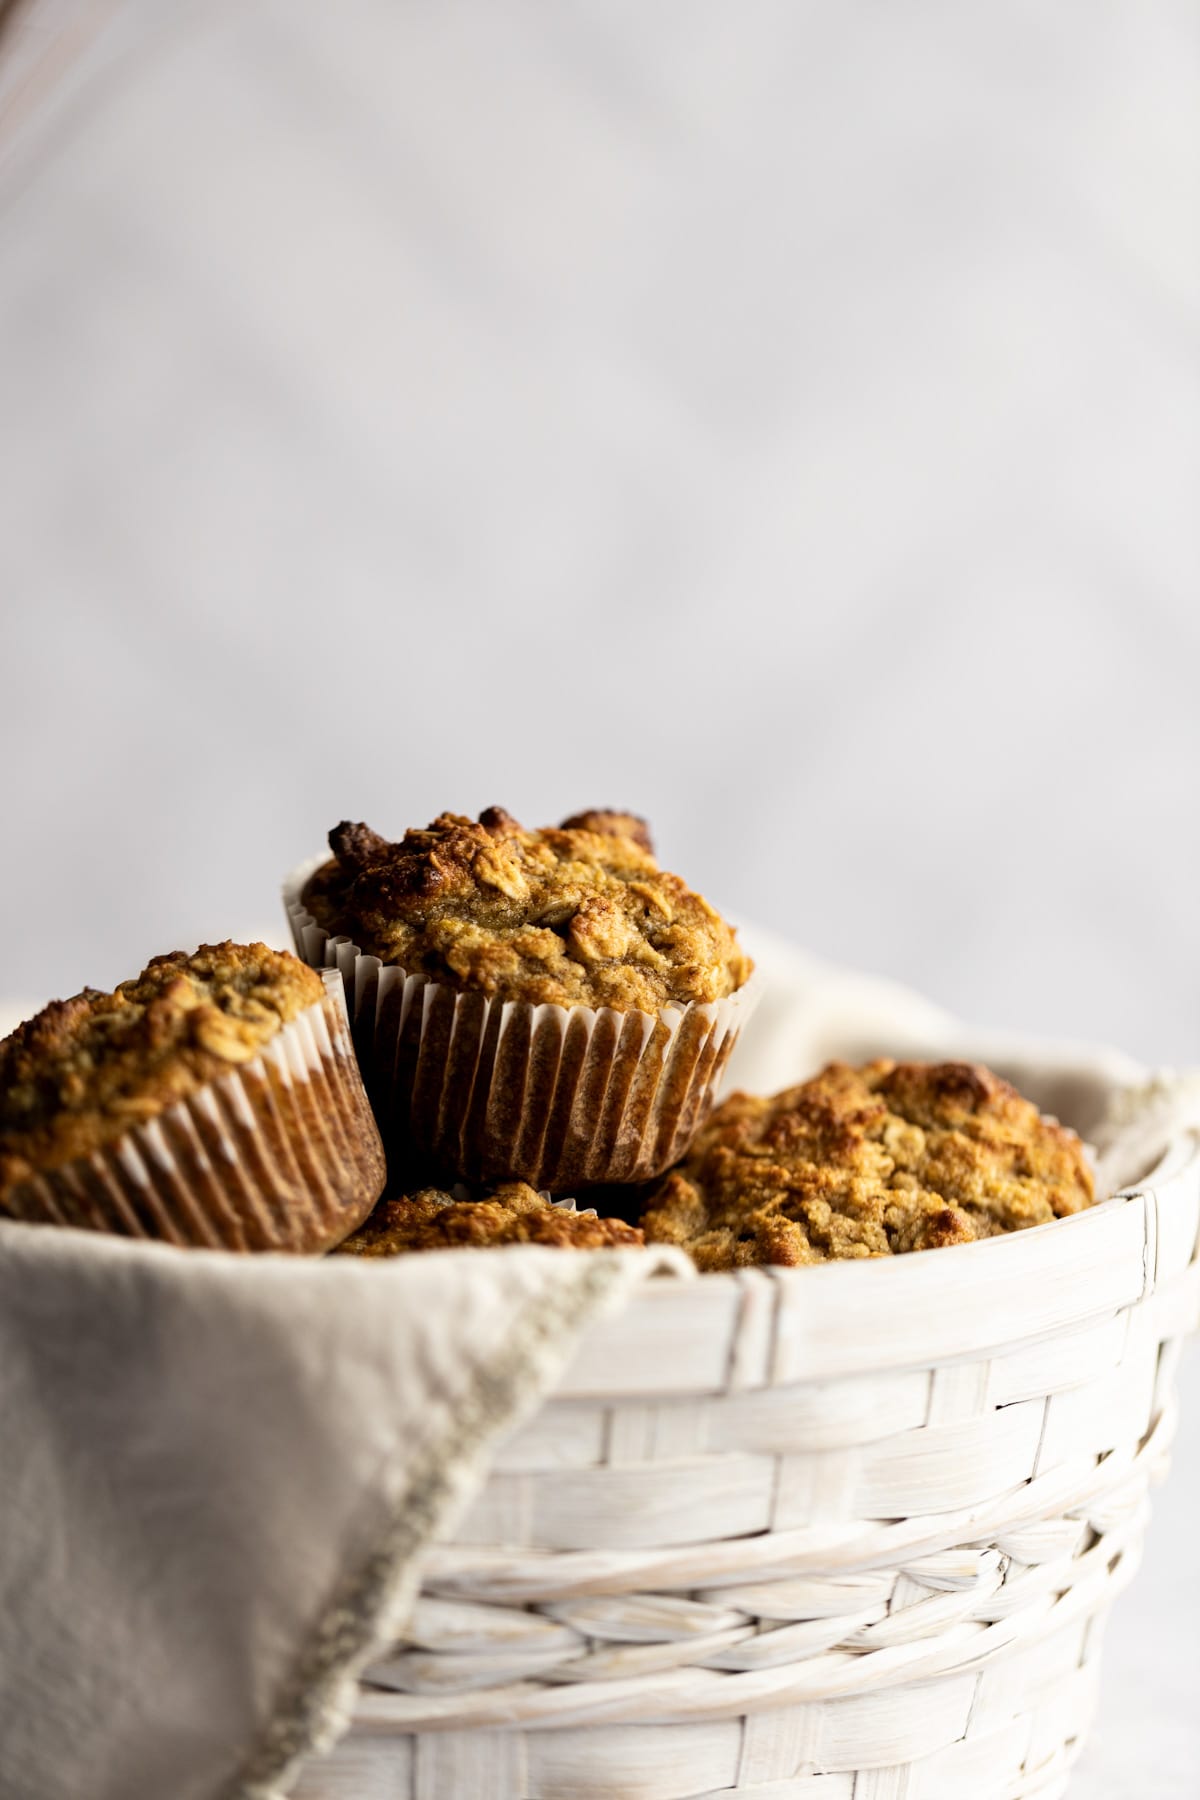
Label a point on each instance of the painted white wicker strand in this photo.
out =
(848, 1533)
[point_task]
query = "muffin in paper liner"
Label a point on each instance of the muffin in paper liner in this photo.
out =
(281, 1153)
(502, 1216)
(499, 1090)
(566, 1203)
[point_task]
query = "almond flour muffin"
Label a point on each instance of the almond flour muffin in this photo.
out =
(514, 1214)
(212, 1100)
(547, 1006)
(874, 1161)
(578, 915)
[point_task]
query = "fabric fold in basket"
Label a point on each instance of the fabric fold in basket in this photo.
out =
(217, 1474)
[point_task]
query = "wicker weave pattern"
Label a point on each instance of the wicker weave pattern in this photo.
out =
(833, 1533)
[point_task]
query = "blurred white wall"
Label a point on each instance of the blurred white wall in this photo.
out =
(781, 419)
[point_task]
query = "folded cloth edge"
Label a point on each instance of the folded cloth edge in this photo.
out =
(376, 1594)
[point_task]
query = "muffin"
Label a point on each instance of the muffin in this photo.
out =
(874, 1161)
(513, 1214)
(547, 1006)
(214, 1100)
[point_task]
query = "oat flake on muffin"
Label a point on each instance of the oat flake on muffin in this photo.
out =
(581, 914)
(513, 1214)
(874, 1161)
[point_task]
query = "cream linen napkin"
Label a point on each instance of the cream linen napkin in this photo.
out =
(217, 1474)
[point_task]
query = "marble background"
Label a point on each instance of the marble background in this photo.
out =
(781, 419)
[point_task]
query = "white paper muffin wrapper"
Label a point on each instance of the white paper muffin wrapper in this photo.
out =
(494, 1090)
(281, 1153)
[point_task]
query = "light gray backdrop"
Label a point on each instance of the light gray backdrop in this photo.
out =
(778, 418)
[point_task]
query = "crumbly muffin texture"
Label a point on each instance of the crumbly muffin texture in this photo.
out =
(577, 914)
(873, 1161)
(513, 1214)
(82, 1070)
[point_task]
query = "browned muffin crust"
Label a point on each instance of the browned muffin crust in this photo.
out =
(82, 1070)
(581, 914)
(874, 1161)
(513, 1214)
(612, 824)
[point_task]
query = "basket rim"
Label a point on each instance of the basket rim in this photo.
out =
(1181, 1155)
(878, 1316)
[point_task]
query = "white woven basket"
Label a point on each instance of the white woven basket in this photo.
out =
(842, 1531)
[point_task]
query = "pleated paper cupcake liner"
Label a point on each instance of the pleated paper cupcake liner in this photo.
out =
(282, 1153)
(495, 1090)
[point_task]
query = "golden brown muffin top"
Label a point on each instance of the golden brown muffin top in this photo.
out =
(513, 1214)
(578, 914)
(873, 1161)
(82, 1070)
